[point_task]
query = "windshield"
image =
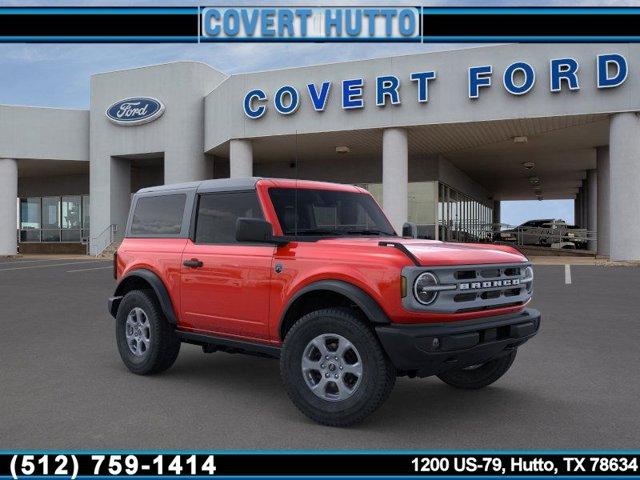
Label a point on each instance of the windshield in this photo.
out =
(328, 213)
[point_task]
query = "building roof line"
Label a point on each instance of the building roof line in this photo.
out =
(385, 57)
(162, 64)
(68, 109)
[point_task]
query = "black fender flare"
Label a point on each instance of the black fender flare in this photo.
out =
(158, 288)
(362, 299)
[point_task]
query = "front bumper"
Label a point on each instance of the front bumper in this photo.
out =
(431, 349)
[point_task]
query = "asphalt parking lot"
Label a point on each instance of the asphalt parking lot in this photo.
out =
(63, 386)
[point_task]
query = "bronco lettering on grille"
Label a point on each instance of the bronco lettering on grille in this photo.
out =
(489, 284)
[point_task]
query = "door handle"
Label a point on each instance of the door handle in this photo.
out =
(193, 263)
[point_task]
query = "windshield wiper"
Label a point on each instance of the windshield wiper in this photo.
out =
(319, 231)
(369, 232)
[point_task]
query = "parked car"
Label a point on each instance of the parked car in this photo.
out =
(313, 274)
(545, 232)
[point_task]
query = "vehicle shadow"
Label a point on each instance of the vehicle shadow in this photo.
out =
(414, 405)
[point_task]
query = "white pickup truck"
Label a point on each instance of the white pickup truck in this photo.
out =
(546, 232)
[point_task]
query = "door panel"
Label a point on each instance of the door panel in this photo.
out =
(229, 294)
(225, 284)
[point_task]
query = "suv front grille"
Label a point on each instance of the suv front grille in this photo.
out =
(473, 288)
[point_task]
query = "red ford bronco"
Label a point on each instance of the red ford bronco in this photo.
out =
(313, 274)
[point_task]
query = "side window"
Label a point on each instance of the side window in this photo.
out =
(218, 212)
(159, 215)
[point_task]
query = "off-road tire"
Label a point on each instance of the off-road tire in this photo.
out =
(164, 345)
(378, 376)
(480, 377)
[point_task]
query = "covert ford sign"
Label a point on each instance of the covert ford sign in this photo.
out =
(518, 78)
(135, 111)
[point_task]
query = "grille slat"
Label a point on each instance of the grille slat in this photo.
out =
(465, 274)
(492, 273)
(474, 287)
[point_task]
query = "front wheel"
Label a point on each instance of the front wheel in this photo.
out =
(334, 369)
(146, 341)
(479, 376)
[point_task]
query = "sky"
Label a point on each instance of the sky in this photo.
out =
(518, 212)
(58, 75)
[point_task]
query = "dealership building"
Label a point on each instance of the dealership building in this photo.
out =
(440, 139)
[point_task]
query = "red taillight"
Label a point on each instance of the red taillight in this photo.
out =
(115, 265)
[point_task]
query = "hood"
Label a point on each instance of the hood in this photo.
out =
(435, 253)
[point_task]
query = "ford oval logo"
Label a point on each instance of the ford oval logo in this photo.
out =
(135, 111)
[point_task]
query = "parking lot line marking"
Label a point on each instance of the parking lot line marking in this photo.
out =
(20, 262)
(567, 274)
(87, 269)
(52, 265)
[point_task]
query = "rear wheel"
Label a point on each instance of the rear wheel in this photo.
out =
(479, 376)
(146, 341)
(334, 369)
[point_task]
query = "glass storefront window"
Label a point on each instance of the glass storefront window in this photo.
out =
(30, 213)
(50, 219)
(54, 219)
(71, 218)
(50, 212)
(30, 219)
(462, 218)
(85, 216)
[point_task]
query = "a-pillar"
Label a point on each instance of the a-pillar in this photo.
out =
(604, 217)
(240, 158)
(395, 176)
(8, 209)
(624, 155)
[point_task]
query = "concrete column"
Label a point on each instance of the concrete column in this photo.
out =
(576, 209)
(592, 208)
(110, 187)
(240, 158)
(120, 194)
(185, 165)
(395, 176)
(604, 217)
(8, 199)
(584, 210)
(624, 153)
(496, 212)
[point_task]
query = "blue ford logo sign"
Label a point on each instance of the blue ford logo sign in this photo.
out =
(135, 111)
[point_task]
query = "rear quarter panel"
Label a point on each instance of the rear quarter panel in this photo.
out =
(162, 256)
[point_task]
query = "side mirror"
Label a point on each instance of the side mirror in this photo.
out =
(410, 230)
(256, 230)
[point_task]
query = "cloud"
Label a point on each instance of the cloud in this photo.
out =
(58, 75)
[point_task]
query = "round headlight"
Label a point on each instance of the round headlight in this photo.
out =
(423, 288)
(528, 278)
